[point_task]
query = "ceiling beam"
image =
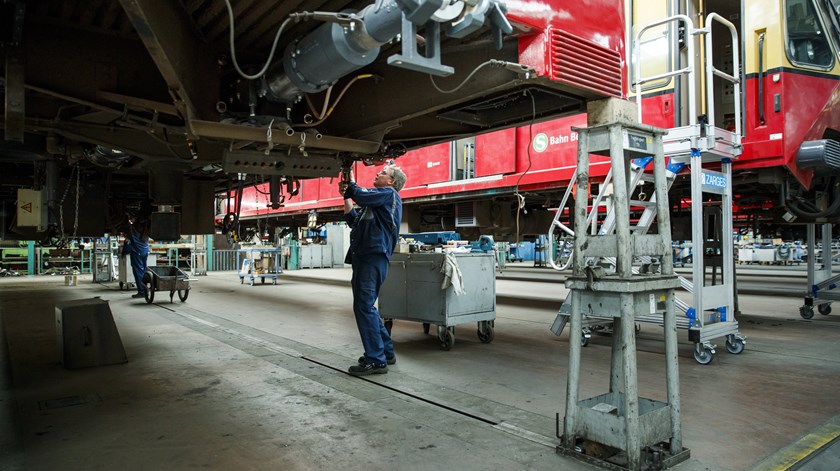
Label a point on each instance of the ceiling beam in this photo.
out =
(15, 96)
(186, 65)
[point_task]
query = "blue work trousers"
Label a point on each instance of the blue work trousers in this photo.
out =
(138, 266)
(369, 273)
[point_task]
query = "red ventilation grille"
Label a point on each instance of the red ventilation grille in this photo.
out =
(585, 64)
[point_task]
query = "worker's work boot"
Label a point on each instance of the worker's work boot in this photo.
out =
(368, 369)
(391, 361)
(138, 295)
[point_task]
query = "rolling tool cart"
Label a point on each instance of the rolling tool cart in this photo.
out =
(415, 290)
(124, 274)
(103, 266)
(259, 262)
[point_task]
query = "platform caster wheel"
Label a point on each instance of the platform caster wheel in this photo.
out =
(252, 282)
(824, 309)
(584, 339)
(734, 345)
(183, 294)
(122, 285)
(426, 326)
(807, 312)
(485, 331)
(446, 335)
(389, 324)
(703, 355)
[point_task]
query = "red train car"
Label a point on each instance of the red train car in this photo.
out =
(472, 185)
(509, 182)
(477, 183)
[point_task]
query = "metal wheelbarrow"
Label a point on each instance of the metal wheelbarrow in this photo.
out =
(166, 278)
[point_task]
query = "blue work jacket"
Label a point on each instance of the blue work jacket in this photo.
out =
(376, 224)
(136, 242)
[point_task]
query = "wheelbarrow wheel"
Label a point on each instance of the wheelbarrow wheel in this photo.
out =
(150, 291)
(183, 294)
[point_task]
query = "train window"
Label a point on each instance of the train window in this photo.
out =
(831, 8)
(807, 44)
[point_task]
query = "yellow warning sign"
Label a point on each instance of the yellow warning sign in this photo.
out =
(27, 207)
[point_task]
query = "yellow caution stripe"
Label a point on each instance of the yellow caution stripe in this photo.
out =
(801, 449)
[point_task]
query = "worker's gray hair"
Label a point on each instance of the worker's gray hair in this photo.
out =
(399, 177)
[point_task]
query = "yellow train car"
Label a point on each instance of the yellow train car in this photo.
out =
(788, 53)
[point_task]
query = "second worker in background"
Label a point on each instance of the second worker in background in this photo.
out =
(375, 228)
(137, 248)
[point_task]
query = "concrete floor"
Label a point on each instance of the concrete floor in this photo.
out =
(242, 377)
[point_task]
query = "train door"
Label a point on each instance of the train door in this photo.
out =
(656, 57)
(722, 100)
(463, 158)
(722, 58)
(662, 49)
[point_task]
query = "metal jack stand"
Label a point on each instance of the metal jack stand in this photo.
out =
(822, 283)
(619, 429)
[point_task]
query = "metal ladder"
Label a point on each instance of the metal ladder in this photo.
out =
(694, 145)
(638, 177)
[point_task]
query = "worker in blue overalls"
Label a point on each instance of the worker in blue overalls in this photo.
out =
(374, 233)
(137, 248)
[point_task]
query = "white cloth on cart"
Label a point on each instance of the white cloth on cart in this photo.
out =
(452, 274)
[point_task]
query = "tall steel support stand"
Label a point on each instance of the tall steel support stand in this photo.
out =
(619, 429)
(822, 283)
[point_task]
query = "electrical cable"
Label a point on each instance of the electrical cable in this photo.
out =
(521, 199)
(270, 54)
(481, 66)
(337, 99)
(511, 66)
(811, 210)
(324, 108)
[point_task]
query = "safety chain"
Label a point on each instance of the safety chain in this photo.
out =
(76, 220)
(64, 196)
